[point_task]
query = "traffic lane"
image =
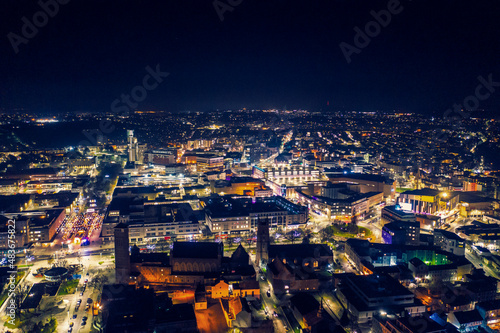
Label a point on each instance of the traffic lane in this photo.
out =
(269, 303)
(105, 251)
(78, 327)
(278, 321)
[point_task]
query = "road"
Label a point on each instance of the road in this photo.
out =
(372, 224)
(331, 305)
(477, 262)
(89, 293)
(280, 322)
(94, 260)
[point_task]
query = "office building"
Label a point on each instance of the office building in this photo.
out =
(226, 215)
(209, 162)
(401, 233)
(366, 295)
(449, 241)
(134, 149)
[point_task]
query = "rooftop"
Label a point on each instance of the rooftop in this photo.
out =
(374, 286)
(205, 250)
(363, 176)
(448, 234)
(465, 317)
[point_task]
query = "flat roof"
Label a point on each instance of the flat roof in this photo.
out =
(374, 286)
(364, 176)
(448, 234)
(396, 209)
(205, 250)
(423, 191)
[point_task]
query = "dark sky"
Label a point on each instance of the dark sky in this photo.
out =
(264, 54)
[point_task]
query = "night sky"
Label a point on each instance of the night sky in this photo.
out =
(264, 54)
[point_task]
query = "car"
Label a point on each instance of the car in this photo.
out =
(70, 329)
(74, 316)
(83, 323)
(71, 324)
(79, 301)
(89, 300)
(86, 280)
(268, 293)
(81, 293)
(275, 314)
(84, 318)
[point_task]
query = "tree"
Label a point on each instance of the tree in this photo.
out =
(206, 231)
(306, 239)
(19, 296)
(326, 233)
(51, 326)
(249, 238)
(162, 244)
(293, 235)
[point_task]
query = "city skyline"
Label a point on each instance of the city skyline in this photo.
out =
(249, 166)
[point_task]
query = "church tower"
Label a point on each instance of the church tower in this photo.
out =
(262, 241)
(122, 257)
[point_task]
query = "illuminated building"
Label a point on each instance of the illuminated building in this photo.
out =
(207, 162)
(366, 295)
(401, 233)
(286, 174)
(449, 242)
(428, 201)
(135, 150)
(162, 157)
(241, 215)
(364, 183)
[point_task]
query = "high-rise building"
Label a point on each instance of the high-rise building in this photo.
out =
(262, 241)
(122, 256)
(135, 150)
